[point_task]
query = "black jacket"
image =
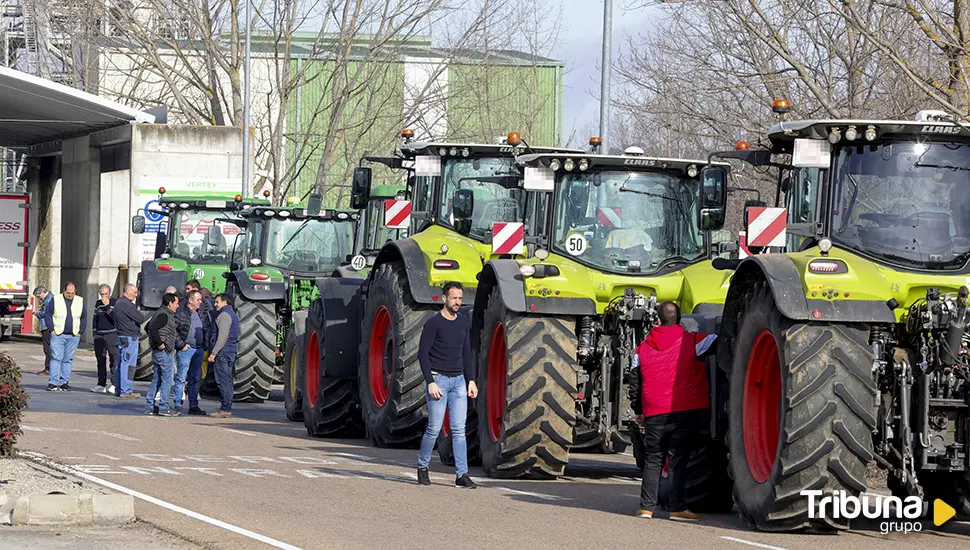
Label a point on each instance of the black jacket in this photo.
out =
(161, 330)
(128, 319)
(104, 316)
(183, 322)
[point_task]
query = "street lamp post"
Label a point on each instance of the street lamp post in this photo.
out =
(605, 77)
(246, 105)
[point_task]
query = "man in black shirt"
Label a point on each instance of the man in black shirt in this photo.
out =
(105, 338)
(445, 355)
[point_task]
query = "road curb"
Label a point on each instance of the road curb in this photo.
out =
(59, 509)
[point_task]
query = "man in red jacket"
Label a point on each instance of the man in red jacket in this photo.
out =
(674, 403)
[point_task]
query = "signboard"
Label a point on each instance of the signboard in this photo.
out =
(13, 240)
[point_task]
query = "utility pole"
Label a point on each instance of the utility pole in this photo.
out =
(246, 179)
(605, 77)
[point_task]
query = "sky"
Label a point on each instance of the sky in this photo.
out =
(580, 47)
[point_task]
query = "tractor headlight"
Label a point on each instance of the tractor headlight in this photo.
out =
(442, 151)
(583, 165)
(692, 171)
(569, 165)
(554, 165)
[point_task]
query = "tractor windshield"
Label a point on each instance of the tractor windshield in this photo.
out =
(310, 245)
(908, 203)
(490, 180)
(188, 236)
(623, 220)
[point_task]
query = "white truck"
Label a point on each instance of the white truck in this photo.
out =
(14, 291)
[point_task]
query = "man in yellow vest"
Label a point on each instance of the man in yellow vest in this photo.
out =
(69, 320)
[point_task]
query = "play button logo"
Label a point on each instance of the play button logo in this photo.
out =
(942, 512)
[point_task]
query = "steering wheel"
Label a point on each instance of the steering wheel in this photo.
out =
(880, 219)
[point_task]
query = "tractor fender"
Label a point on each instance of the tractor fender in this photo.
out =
(153, 283)
(785, 282)
(409, 253)
(348, 272)
(505, 275)
(340, 301)
(258, 291)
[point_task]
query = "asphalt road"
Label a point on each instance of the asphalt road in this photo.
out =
(257, 480)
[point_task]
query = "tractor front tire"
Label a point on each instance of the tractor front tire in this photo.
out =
(392, 387)
(331, 406)
(802, 409)
(527, 399)
(256, 358)
(294, 365)
(144, 366)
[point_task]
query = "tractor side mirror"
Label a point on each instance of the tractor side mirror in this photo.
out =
(313, 205)
(463, 204)
(213, 237)
(138, 224)
(713, 202)
(360, 187)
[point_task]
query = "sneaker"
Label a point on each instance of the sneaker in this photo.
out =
(170, 412)
(111, 389)
(131, 395)
(197, 411)
(65, 387)
(52, 387)
(686, 515)
(98, 389)
(465, 482)
(150, 412)
(178, 411)
(423, 477)
(641, 513)
(155, 409)
(222, 414)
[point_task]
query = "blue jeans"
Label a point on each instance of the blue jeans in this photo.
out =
(454, 399)
(127, 359)
(224, 367)
(161, 380)
(189, 372)
(63, 347)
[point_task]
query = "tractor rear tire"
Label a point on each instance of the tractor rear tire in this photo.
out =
(952, 488)
(331, 406)
(446, 453)
(294, 365)
(527, 400)
(256, 358)
(144, 367)
(392, 387)
(802, 409)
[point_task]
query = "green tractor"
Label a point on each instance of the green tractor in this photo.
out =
(277, 259)
(362, 372)
(371, 235)
(189, 249)
(852, 346)
(559, 328)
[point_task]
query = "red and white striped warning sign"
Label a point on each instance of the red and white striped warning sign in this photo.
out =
(610, 216)
(508, 238)
(397, 214)
(766, 226)
(743, 251)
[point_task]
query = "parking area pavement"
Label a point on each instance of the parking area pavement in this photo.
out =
(257, 480)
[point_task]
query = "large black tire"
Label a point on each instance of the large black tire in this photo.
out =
(256, 358)
(334, 409)
(535, 414)
(952, 488)
(446, 453)
(395, 408)
(294, 364)
(810, 404)
(145, 366)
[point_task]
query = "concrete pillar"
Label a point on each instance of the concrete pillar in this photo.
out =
(44, 254)
(81, 220)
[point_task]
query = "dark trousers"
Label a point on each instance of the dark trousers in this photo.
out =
(194, 377)
(225, 365)
(668, 436)
(106, 351)
(46, 339)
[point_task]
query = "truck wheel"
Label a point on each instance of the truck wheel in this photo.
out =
(256, 358)
(802, 409)
(331, 406)
(952, 488)
(527, 404)
(293, 371)
(391, 384)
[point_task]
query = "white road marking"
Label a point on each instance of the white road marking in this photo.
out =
(109, 457)
(75, 430)
(531, 494)
(158, 502)
(239, 432)
(72, 458)
(38, 358)
(623, 480)
(758, 544)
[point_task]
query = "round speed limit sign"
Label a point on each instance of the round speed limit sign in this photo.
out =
(358, 262)
(576, 244)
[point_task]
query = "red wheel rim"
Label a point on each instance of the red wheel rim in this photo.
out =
(380, 359)
(312, 381)
(446, 425)
(495, 402)
(762, 397)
